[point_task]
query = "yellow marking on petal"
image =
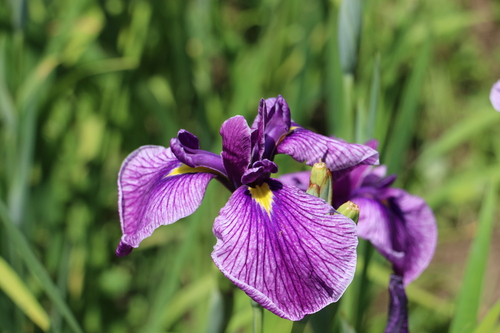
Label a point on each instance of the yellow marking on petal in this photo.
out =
(263, 196)
(183, 169)
(284, 135)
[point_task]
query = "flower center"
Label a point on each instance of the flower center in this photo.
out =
(263, 196)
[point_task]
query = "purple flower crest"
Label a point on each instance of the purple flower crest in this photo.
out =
(286, 249)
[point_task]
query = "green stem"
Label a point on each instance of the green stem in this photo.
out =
(324, 320)
(221, 306)
(300, 326)
(258, 318)
(361, 303)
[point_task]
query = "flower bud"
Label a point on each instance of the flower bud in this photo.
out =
(350, 210)
(320, 182)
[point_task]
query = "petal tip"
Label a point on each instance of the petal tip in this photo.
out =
(123, 249)
(495, 96)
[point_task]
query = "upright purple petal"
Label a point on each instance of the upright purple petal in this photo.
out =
(285, 249)
(397, 321)
(495, 96)
(340, 157)
(403, 229)
(271, 124)
(236, 148)
(155, 188)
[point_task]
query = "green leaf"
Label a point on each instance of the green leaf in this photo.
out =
(19, 293)
(349, 30)
(490, 320)
(469, 297)
(380, 275)
(472, 125)
(406, 117)
(36, 268)
(374, 92)
(187, 297)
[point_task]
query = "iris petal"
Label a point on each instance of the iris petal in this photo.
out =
(155, 188)
(236, 148)
(495, 96)
(285, 249)
(273, 121)
(420, 230)
(298, 179)
(340, 157)
(398, 307)
(376, 225)
(186, 146)
(403, 230)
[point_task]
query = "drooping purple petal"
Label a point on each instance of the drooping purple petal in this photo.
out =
(376, 225)
(403, 229)
(236, 148)
(284, 249)
(155, 188)
(397, 321)
(298, 179)
(345, 186)
(421, 234)
(495, 96)
(185, 147)
(340, 157)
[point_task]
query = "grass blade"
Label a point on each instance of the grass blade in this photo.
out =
(404, 127)
(19, 293)
(374, 92)
(349, 30)
(469, 297)
(36, 268)
(490, 320)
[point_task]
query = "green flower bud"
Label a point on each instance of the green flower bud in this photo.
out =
(320, 182)
(350, 210)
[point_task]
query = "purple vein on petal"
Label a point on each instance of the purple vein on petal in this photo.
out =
(148, 197)
(293, 261)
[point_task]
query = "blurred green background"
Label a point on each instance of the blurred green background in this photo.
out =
(84, 83)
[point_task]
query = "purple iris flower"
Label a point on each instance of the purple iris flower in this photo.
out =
(495, 96)
(400, 226)
(286, 249)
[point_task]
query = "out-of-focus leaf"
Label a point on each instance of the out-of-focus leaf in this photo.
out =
(7, 107)
(490, 320)
(374, 92)
(15, 288)
(36, 268)
(406, 116)
(468, 301)
(187, 297)
(349, 29)
(381, 276)
(470, 126)
(337, 115)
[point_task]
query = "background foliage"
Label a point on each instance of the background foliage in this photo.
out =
(83, 83)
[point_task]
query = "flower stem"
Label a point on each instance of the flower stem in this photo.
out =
(300, 326)
(258, 318)
(363, 287)
(221, 305)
